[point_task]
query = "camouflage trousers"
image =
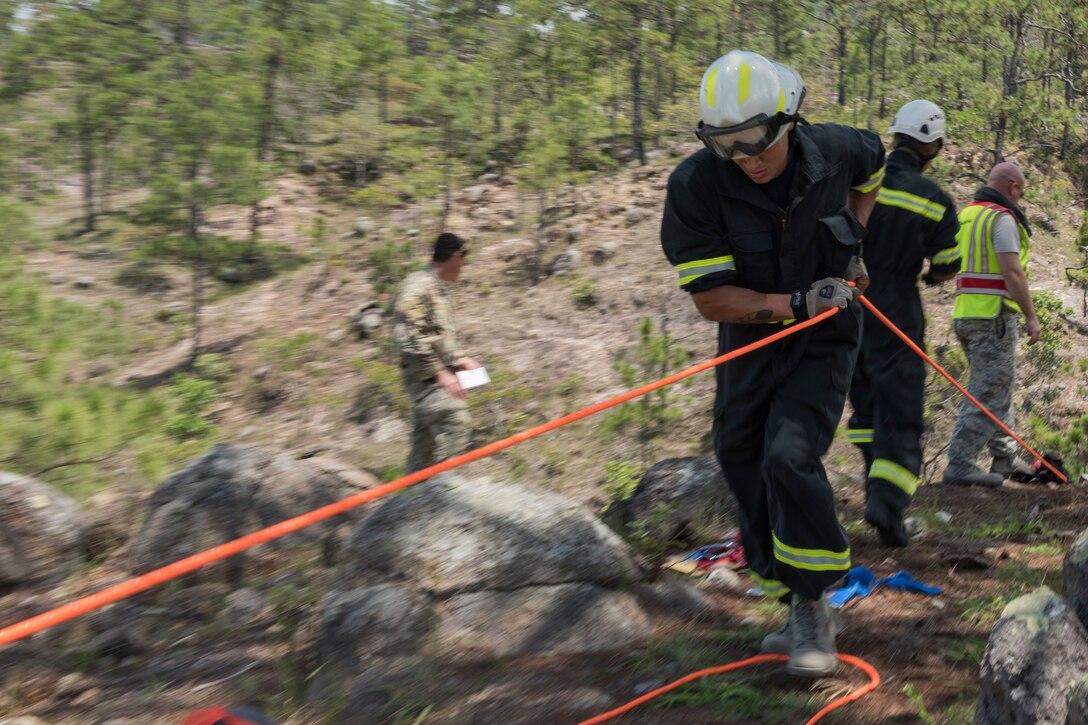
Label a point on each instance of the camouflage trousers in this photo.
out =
(991, 353)
(441, 427)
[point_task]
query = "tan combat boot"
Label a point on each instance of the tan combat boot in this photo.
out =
(813, 630)
(778, 642)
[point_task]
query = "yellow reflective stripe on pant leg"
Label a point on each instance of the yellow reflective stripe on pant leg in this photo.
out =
(770, 587)
(895, 474)
(860, 435)
(811, 559)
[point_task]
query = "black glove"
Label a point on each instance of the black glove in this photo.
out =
(823, 295)
(929, 279)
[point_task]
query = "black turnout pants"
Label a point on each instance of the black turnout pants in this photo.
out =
(775, 416)
(887, 395)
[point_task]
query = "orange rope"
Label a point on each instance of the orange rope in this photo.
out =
(179, 568)
(911, 344)
(874, 682)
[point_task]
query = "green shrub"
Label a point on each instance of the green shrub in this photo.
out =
(585, 293)
(192, 398)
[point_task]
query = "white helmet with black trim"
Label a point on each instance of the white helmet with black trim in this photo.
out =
(746, 103)
(921, 120)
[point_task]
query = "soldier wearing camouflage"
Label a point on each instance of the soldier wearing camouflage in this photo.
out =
(426, 338)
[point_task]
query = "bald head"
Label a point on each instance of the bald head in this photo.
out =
(1008, 179)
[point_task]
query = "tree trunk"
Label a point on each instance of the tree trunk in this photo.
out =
(86, 158)
(842, 64)
(614, 116)
(383, 97)
(1009, 71)
(447, 173)
(636, 83)
(884, 71)
(192, 231)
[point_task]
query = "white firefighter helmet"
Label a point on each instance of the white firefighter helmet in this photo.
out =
(746, 103)
(921, 120)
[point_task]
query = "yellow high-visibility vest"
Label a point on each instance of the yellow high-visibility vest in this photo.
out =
(980, 286)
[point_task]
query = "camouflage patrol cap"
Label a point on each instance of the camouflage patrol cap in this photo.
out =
(447, 245)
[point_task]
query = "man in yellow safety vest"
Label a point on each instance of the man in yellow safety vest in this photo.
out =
(991, 292)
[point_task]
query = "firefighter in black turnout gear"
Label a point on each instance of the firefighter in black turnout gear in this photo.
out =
(764, 227)
(913, 221)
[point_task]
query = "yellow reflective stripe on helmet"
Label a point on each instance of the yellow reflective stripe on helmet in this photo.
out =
(691, 271)
(781, 101)
(893, 473)
(860, 435)
(711, 84)
(770, 587)
(744, 87)
(947, 256)
(872, 183)
(911, 202)
(811, 559)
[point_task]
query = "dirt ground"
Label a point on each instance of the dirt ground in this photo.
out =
(553, 353)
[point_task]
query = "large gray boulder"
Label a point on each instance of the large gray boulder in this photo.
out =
(558, 619)
(42, 531)
(452, 536)
(476, 570)
(229, 492)
(1036, 656)
(683, 499)
(1075, 574)
(1077, 701)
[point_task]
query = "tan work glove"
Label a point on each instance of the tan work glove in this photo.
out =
(856, 273)
(823, 295)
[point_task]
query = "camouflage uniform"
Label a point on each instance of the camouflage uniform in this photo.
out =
(426, 339)
(990, 345)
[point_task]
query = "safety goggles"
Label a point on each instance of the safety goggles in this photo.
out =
(750, 138)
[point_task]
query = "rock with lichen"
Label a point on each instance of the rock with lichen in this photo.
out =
(1037, 654)
(1075, 575)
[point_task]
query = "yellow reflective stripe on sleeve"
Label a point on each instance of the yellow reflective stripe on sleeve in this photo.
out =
(711, 85)
(811, 559)
(872, 183)
(744, 83)
(691, 271)
(893, 473)
(860, 435)
(770, 587)
(911, 202)
(947, 256)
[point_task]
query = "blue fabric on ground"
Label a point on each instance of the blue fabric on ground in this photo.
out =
(903, 580)
(858, 582)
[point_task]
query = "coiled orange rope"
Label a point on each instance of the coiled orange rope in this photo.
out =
(868, 669)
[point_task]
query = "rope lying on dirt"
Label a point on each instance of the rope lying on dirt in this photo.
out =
(868, 669)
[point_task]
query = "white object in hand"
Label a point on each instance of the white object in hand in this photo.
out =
(472, 378)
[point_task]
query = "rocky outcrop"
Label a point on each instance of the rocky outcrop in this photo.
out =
(682, 499)
(42, 531)
(479, 570)
(1075, 575)
(230, 492)
(1036, 655)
